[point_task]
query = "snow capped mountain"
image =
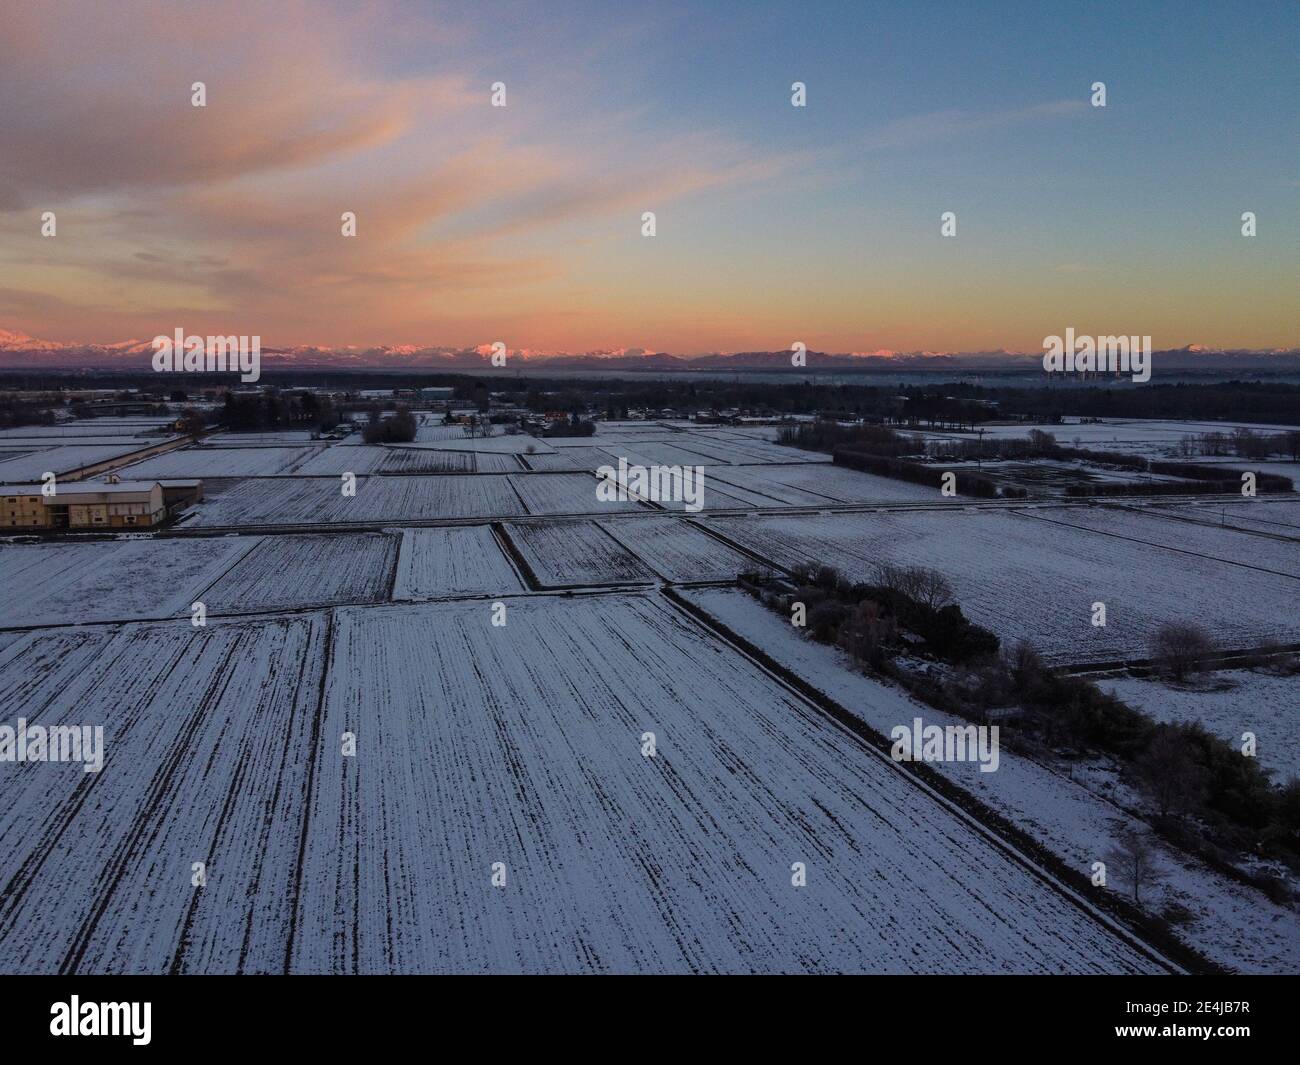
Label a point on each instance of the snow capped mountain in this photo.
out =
(19, 350)
(14, 341)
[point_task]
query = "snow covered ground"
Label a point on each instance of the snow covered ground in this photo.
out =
(521, 742)
(76, 583)
(1277, 517)
(207, 742)
(370, 458)
(616, 862)
(1148, 438)
(220, 462)
(378, 499)
(1163, 529)
(572, 553)
(565, 493)
(29, 466)
(678, 550)
(1234, 925)
(458, 560)
(1035, 580)
(811, 483)
(532, 758)
(287, 572)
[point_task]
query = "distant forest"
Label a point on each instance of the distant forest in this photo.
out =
(939, 404)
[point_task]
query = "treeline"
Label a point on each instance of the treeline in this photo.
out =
(825, 434)
(15, 412)
(965, 482)
(942, 402)
(880, 450)
(1236, 401)
(396, 428)
(1196, 480)
(873, 621)
(276, 410)
(1244, 443)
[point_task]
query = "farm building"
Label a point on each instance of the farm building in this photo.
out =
(90, 505)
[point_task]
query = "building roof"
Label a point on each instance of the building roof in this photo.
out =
(68, 493)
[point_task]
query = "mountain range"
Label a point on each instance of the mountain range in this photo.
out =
(21, 351)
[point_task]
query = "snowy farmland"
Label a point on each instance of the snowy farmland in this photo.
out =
(614, 862)
(28, 466)
(1238, 928)
(320, 500)
(1277, 517)
(565, 493)
(220, 462)
(375, 459)
(289, 572)
(1035, 580)
(532, 759)
(1147, 438)
(76, 583)
(1274, 555)
(812, 483)
(498, 643)
(457, 560)
(207, 745)
(678, 550)
(574, 553)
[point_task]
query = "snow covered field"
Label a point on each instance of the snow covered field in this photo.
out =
(30, 466)
(374, 459)
(284, 572)
(77, 432)
(811, 483)
(570, 553)
(207, 741)
(1148, 438)
(1146, 526)
(220, 462)
(1035, 580)
(1277, 517)
(378, 499)
(678, 550)
(520, 743)
(614, 862)
(565, 493)
(1236, 926)
(457, 560)
(75, 583)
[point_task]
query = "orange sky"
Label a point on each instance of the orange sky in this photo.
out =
(523, 223)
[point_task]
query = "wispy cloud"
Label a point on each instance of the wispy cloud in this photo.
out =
(950, 125)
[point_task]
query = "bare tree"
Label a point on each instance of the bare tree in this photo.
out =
(1134, 859)
(1181, 649)
(927, 586)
